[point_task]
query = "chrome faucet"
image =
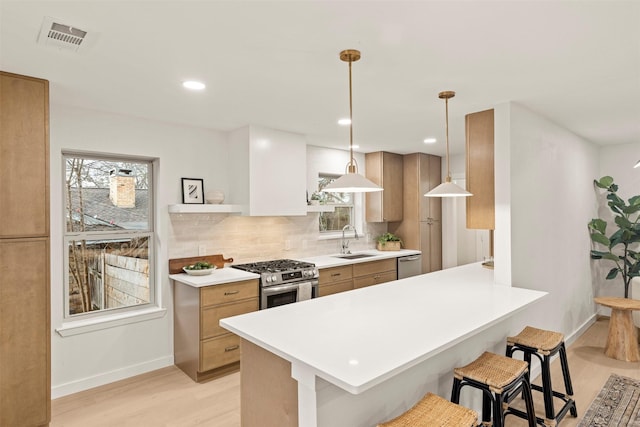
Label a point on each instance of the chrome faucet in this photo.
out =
(345, 243)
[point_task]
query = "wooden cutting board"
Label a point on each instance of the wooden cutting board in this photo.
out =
(176, 264)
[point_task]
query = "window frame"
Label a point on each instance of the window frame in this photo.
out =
(352, 207)
(118, 313)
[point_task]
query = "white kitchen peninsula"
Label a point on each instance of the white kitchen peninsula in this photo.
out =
(353, 359)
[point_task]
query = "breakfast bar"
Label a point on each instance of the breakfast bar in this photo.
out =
(351, 358)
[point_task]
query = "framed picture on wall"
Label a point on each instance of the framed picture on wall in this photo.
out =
(192, 191)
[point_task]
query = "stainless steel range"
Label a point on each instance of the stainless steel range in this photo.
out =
(284, 281)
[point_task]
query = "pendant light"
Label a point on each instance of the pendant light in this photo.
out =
(351, 181)
(447, 188)
(637, 165)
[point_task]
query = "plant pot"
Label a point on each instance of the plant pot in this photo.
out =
(389, 246)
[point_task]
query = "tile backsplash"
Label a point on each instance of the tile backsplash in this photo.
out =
(249, 239)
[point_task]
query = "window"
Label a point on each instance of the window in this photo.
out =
(343, 213)
(108, 239)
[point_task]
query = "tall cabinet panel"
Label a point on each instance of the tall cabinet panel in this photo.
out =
(480, 170)
(25, 347)
(384, 169)
(421, 226)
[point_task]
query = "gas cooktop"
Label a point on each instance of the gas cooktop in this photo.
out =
(275, 266)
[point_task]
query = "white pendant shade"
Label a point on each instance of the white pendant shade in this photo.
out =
(352, 183)
(448, 189)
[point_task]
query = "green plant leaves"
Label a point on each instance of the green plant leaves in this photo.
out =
(625, 238)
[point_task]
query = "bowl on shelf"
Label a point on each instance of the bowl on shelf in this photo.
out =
(214, 197)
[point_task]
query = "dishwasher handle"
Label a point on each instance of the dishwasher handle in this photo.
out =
(409, 258)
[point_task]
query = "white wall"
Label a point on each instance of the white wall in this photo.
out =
(82, 361)
(551, 195)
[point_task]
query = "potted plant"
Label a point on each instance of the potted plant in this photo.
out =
(621, 246)
(315, 198)
(389, 242)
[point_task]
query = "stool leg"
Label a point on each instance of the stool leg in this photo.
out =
(486, 408)
(547, 391)
(567, 378)
(455, 391)
(528, 401)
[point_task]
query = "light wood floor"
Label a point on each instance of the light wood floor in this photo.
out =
(168, 398)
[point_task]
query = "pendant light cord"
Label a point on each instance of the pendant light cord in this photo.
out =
(351, 167)
(446, 131)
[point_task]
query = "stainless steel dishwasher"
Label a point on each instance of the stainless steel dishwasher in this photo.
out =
(410, 265)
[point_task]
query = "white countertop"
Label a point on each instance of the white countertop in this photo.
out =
(333, 260)
(360, 338)
(219, 276)
(229, 274)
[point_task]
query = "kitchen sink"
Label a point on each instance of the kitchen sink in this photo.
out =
(353, 256)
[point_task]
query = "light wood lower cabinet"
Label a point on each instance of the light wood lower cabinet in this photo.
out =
(347, 277)
(335, 279)
(203, 349)
(374, 272)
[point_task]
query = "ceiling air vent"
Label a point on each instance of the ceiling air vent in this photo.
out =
(62, 36)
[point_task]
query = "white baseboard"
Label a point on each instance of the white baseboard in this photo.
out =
(109, 377)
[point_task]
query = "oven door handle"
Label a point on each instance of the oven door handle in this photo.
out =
(271, 290)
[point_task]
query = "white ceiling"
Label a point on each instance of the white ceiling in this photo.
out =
(275, 63)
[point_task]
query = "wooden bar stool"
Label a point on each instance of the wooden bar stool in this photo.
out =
(434, 411)
(497, 376)
(544, 345)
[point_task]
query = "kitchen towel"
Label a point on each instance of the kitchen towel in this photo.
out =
(304, 291)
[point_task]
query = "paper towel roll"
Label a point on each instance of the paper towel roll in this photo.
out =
(304, 291)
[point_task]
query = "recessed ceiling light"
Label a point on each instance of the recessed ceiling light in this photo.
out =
(193, 85)
(355, 146)
(344, 122)
(430, 140)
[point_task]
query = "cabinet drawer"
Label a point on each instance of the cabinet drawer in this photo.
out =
(220, 351)
(211, 316)
(334, 288)
(374, 279)
(335, 274)
(373, 267)
(228, 292)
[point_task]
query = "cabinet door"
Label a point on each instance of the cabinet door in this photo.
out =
(371, 267)
(24, 156)
(480, 170)
(229, 292)
(374, 279)
(219, 351)
(384, 169)
(210, 319)
(25, 386)
(335, 288)
(335, 274)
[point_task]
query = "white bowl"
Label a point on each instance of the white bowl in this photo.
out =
(214, 197)
(199, 272)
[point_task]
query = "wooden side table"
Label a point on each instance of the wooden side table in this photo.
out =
(622, 342)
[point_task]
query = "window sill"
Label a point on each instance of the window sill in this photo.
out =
(331, 236)
(77, 327)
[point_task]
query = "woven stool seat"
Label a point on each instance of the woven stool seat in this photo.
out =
(544, 345)
(493, 370)
(543, 341)
(498, 377)
(434, 411)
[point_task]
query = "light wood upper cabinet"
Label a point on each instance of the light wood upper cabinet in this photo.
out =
(480, 170)
(385, 169)
(24, 156)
